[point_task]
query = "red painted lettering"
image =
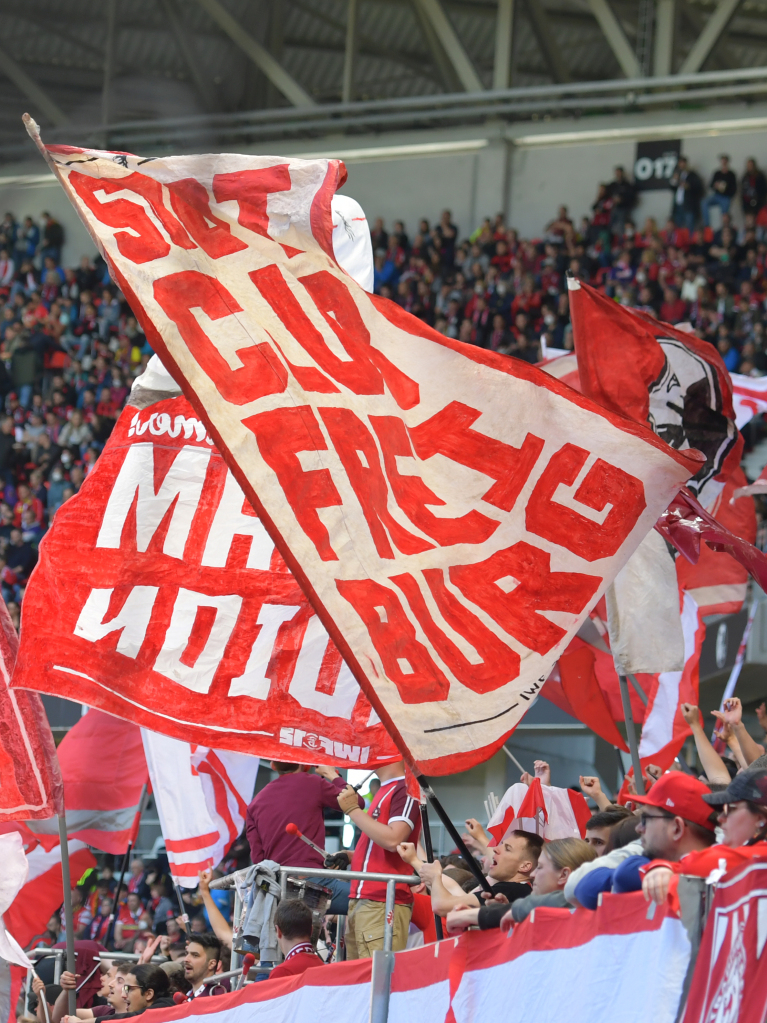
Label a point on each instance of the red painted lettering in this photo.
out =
(406, 661)
(281, 434)
(448, 433)
(261, 372)
(532, 588)
(500, 664)
(366, 371)
(189, 199)
(334, 301)
(150, 243)
(358, 452)
(250, 188)
(412, 494)
(604, 484)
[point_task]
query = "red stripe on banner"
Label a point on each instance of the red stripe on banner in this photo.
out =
(215, 761)
(182, 845)
(191, 869)
(221, 802)
(429, 964)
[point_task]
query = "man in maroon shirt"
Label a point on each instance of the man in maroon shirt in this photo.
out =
(293, 923)
(296, 797)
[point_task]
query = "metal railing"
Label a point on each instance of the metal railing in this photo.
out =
(390, 880)
(415, 111)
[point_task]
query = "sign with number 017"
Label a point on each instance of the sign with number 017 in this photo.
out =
(654, 164)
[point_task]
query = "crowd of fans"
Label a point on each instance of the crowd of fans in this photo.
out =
(688, 823)
(69, 350)
(502, 292)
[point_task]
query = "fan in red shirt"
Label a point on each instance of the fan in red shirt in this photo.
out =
(293, 924)
(393, 817)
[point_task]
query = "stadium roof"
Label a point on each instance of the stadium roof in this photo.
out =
(78, 65)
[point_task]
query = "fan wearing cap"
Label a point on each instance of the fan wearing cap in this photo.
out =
(743, 818)
(674, 822)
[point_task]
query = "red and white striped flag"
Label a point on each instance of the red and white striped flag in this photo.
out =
(546, 810)
(202, 797)
(102, 792)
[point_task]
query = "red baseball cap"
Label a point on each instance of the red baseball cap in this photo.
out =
(682, 795)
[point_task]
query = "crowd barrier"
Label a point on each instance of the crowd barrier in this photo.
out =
(581, 967)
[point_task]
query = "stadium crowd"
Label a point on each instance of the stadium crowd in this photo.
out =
(70, 346)
(688, 823)
(502, 292)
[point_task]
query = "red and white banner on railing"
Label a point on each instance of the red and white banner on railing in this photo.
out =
(175, 611)
(451, 514)
(554, 966)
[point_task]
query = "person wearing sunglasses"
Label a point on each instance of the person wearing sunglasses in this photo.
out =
(146, 987)
(674, 821)
(742, 810)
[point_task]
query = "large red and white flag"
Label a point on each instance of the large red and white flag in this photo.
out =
(104, 770)
(175, 609)
(43, 892)
(202, 797)
(30, 778)
(434, 532)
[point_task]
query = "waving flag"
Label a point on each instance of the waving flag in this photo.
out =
(545, 810)
(202, 796)
(431, 530)
(101, 791)
(30, 778)
(655, 374)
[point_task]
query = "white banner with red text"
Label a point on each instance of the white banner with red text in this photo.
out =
(451, 514)
(175, 611)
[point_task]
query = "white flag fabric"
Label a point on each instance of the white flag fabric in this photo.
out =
(202, 796)
(13, 877)
(449, 545)
(643, 617)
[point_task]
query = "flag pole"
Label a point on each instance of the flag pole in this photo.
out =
(124, 866)
(184, 914)
(472, 864)
(426, 829)
(740, 657)
(66, 880)
(631, 734)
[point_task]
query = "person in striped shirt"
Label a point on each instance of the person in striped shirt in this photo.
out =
(394, 817)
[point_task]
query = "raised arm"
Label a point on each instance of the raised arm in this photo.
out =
(732, 714)
(219, 923)
(710, 761)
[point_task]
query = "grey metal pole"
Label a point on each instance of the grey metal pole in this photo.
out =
(631, 734)
(236, 958)
(66, 880)
(340, 939)
(389, 920)
(57, 966)
(380, 985)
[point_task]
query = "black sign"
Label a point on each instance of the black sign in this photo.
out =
(721, 642)
(654, 164)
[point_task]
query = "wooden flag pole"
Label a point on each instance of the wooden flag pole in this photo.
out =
(631, 734)
(66, 880)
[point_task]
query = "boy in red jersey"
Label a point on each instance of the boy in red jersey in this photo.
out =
(394, 817)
